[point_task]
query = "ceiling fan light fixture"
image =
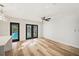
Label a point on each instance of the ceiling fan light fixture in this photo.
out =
(45, 18)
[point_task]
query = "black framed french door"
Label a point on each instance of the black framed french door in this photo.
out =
(35, 31)
(14, 31)
(31, 31)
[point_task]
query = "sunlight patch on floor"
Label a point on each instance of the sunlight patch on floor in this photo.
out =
(14, 45)
(30, 43)
(27, 43)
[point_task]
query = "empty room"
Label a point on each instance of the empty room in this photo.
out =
(39, 29)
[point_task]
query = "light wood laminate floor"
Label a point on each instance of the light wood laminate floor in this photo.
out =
(41, 47)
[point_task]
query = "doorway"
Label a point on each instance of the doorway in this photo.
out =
(31, 31)
(14, 31)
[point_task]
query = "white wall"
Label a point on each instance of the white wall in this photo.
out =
(5, 27)
(63, 28)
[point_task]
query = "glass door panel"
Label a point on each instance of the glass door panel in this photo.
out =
(28, 31)
(14, 31)
(35, 31)
(31, 31)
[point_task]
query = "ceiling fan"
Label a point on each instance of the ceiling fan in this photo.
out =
(45, 18)
(1, 5)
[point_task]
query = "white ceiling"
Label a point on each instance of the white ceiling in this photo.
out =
(34, 11)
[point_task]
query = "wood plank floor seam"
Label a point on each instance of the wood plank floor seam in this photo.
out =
(42, 47)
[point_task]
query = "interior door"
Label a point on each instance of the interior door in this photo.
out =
(31, 31)
(14, 31)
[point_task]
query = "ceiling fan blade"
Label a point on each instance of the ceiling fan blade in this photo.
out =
(1, 5)
(43, 18)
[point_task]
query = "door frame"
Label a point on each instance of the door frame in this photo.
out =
(31, 31)
(18, 31)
